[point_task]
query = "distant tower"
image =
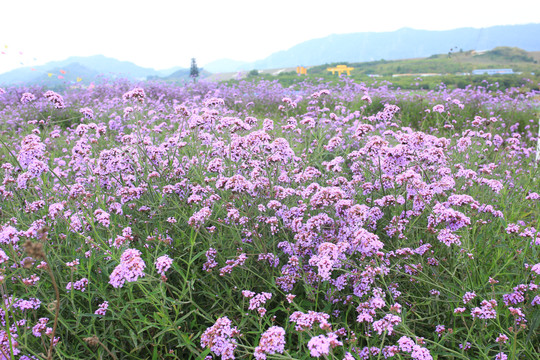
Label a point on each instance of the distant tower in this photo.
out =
(194, 71)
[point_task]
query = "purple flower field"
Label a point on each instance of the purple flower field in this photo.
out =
(255, 221)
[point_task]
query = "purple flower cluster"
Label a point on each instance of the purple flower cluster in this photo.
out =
(77, 285)
(322, 344)
(257, 301)
(163, 263)
(136, 93)
(56, 99)
(27, 98)
(220, 338)
(272, 341)
(102, 310)
(130, 268)
(87, 113)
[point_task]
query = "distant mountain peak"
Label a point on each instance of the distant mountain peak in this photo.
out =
(85, 68)
(403, 43)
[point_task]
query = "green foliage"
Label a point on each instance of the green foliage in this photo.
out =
(508, 54)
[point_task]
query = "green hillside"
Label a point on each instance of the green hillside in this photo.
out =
(453, 62)
(454, 69)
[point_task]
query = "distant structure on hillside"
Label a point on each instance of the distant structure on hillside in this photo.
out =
(301, 70)
(492, 71)
(420, 74)
(340, 69)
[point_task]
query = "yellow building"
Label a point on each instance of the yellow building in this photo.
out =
(340, 69)
(301, 70)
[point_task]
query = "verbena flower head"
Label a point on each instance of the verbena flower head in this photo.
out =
(56, 99)
(272, 341)
(102, 310)
(468, 297)
(27, 98)
(321, 345)
(439, 108)
(3, 257)
(77, 285)
(87, 112)
(137, 94)
(220, 338)
(130, 268)
(32, 149)
(163, 263)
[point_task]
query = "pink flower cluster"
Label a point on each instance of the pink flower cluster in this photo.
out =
(220, 338)
(56, 99)
(305, 322)
(27, 98)
(417, 352)
(272, 341)
(102, 310)
(486, 311)
(136, 93)
(321, 345)
(77, 285)
(163, 263)
(257, 301)
(130, 268)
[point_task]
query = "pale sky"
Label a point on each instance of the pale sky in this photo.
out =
(163, 34)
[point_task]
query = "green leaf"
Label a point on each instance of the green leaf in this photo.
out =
(534, 324)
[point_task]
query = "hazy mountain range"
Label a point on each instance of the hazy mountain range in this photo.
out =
(85, 68)
(401, 44)
(356, 47)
